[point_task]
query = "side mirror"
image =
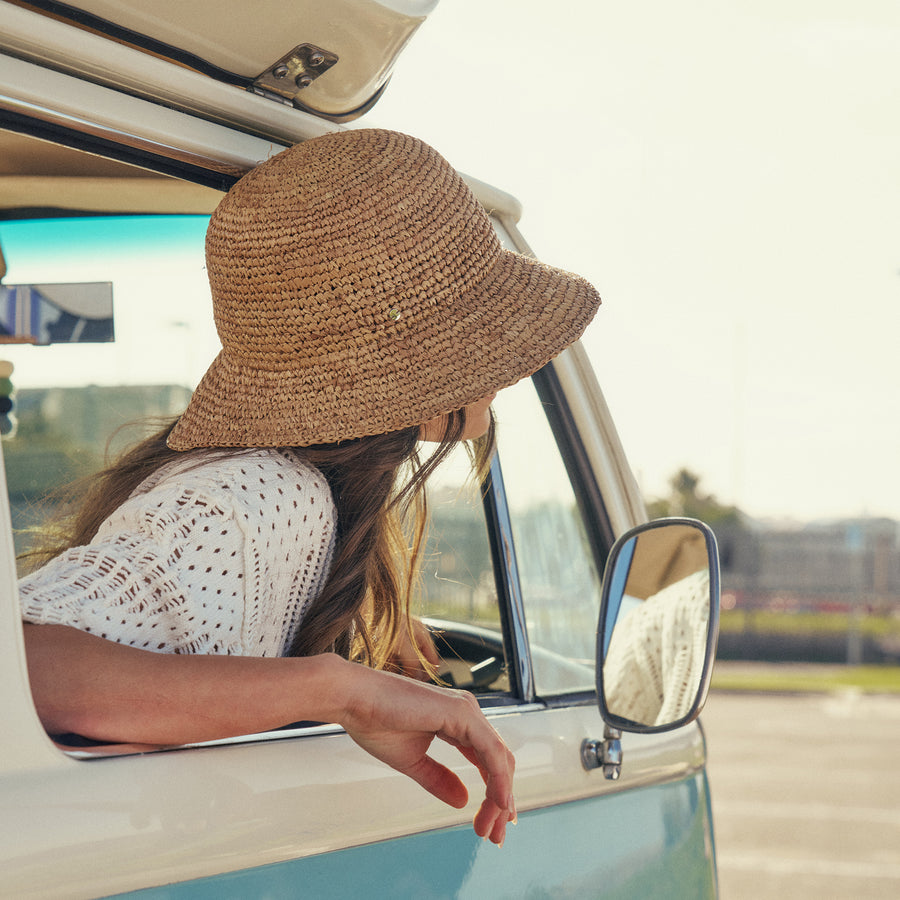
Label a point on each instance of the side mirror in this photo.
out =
(657, 633)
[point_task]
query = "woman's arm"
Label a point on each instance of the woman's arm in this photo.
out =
(103, 690)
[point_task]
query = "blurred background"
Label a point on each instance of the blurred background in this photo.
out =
(727, 176)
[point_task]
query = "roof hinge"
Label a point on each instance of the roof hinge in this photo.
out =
(293, 72)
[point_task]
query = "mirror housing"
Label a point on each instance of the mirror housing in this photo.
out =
(657, 633)
(658, 626)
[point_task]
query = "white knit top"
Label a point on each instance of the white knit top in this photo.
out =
(220, 557)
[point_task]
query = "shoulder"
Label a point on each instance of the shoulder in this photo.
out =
(260, 473)
(248, 488)
(275, 485)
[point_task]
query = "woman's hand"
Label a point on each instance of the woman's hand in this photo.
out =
(407, 661)
(396, 720)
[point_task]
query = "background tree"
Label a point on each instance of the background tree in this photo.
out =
(686, 499)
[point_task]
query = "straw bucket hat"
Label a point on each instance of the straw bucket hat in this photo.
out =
(359, 288)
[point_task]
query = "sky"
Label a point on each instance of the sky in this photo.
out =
(728, 176)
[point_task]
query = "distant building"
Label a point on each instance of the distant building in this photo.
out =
(847, 561)
(90, 416)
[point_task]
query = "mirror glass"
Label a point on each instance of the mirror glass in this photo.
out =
(56, 313)
(658, 625)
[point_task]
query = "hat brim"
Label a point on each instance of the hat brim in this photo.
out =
(515, 320)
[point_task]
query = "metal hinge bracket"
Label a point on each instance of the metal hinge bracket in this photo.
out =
(293, 72)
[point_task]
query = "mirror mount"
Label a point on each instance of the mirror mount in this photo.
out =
(606, 753)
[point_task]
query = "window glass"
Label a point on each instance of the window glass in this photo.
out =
(458, 591)
(71, 397)
(559, 580)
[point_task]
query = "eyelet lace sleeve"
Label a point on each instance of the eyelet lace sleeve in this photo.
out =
(221, 558)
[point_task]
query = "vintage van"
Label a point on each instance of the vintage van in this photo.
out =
(121, 123)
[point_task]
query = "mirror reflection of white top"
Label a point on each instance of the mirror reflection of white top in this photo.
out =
(655, 660)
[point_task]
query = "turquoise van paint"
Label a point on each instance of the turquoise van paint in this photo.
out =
(653, 842)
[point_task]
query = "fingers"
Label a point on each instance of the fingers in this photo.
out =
(490, 822)
(493, 759)
(396, 719)
(492, 817)
(485, 749)
(498, 832)
(470, 732)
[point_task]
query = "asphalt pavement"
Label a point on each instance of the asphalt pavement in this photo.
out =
(805, 794)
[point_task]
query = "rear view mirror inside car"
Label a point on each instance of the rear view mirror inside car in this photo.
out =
(56, 313)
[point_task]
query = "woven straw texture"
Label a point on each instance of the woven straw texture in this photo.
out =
(359, 288)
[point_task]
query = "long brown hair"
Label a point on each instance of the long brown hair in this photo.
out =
(378, 487)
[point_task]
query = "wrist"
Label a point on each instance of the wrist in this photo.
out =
(334, 683)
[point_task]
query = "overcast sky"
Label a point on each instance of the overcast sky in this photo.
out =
(727, 175)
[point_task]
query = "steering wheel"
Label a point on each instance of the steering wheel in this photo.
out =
(472, 658)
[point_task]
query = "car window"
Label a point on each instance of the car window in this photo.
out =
(76, 402)
(558, 577)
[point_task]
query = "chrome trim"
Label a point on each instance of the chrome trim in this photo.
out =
(590, 414)
(74, 123)
(110, 751)
(652, 759)
(100, 112)
(606, 753)
(712, 639)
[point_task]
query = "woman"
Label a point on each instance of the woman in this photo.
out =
(228, 575)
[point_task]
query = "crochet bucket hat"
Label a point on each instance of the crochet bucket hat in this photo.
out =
(359, 288)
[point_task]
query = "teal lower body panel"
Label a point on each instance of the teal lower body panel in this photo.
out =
(640, 844)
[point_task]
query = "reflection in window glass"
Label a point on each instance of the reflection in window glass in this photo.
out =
(560, 584)
(164, 331)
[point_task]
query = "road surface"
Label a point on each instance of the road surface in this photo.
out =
(806, 795)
